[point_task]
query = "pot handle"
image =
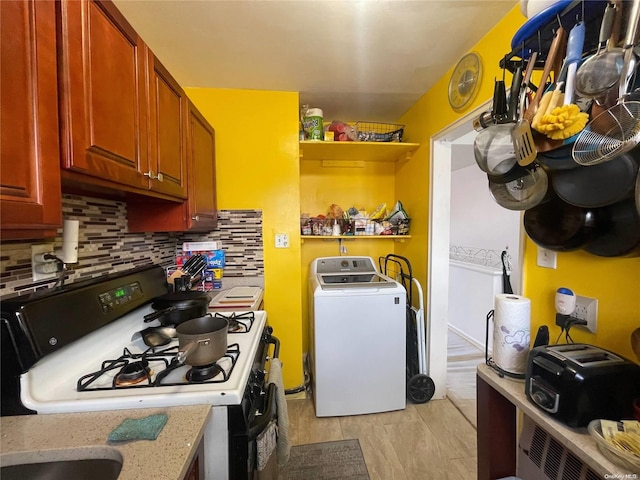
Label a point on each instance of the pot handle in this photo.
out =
(152, 316)
(187, 350)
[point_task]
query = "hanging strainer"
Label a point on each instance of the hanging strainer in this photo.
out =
(613, 132)
(616, 130)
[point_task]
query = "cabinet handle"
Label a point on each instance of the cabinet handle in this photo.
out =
(150, 174)
(160, 177)
(196, 218)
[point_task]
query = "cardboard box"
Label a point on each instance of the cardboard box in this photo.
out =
(201, 246)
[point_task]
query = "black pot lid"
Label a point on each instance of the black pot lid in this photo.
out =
(526, 191)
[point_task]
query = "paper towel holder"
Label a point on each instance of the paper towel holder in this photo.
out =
(69, 251)
(489, 360)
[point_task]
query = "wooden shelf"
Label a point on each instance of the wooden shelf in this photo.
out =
(357, 151)
(355, 237)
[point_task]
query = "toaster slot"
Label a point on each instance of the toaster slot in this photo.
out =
(548, 365)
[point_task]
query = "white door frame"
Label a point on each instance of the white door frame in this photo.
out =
(439, 238)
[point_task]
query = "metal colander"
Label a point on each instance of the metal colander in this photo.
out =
(613, 132)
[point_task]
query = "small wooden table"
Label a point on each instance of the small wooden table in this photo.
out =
(498, 401)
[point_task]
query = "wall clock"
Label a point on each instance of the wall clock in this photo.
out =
(464, 82)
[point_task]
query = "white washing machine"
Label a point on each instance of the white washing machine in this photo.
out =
(358, 337)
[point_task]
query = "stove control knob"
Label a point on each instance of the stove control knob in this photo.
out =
(260, 376)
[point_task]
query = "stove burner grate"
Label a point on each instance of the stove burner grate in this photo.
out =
(238, 322)
(133, 373)
(135, 370)
(233, 352)
(203, 373)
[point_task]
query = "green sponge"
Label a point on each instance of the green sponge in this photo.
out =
(147, 428)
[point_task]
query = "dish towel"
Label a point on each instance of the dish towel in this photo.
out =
(147, 428)
(284, 445)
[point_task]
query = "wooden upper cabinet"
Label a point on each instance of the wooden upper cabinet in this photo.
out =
(203, 213)
(30, 199)
(102, 93)
(199, 212)
(123, 116)
(168, 120)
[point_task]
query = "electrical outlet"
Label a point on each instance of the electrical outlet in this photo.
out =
(282, 240)
(586, 309)
(547, 258)
(42, 269)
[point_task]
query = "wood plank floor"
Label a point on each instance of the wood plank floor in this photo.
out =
(429, 441)
(463, 359)
(436, 440)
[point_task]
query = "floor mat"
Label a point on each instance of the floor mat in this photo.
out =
(326, 461)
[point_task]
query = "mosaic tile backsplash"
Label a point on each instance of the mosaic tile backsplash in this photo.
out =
(105, 246)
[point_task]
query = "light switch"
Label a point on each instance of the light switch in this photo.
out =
(282, 240)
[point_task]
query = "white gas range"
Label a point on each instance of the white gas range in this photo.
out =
(111, 368)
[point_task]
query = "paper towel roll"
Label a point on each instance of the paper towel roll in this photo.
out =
(511, 332)
(70, 232)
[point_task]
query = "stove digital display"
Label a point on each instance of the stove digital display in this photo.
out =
(119, 296)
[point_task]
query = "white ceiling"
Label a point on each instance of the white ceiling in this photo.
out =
(356, 60)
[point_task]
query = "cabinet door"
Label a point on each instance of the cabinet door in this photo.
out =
(103, 94)
(202, 198)
(198, 212)
(30, 202)
(168, 117)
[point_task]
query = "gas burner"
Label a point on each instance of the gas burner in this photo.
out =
(132, 374)
(235, 326)
(203, 373)
(238, 322)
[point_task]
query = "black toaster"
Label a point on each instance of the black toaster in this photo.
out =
(577, 383)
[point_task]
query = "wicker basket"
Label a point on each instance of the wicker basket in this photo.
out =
(378, 132)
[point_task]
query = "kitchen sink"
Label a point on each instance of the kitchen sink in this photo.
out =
(62, 466)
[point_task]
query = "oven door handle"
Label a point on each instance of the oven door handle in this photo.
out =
(276, 345)
(261, 422)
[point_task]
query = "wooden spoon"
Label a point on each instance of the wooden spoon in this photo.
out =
(635, 342)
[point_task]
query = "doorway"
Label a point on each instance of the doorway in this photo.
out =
(478, 227)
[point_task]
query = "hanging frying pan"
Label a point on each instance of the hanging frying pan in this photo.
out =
(618, 231)
(637, 193)
(557, 159)
(598, 185)
(559, 226)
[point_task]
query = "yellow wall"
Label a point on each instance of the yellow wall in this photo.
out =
(615, 282)
(257, 167)
(360, 187)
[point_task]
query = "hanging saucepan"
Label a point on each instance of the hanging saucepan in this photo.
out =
(493, 147)
(559, 226)
(202, 341)
(618, 230)
(519, 189)
(177, 307)
(598, 185)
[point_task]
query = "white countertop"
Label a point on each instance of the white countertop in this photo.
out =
(577, 440)
(69, 436)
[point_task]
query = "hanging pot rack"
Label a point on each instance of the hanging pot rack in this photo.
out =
(590, 11)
